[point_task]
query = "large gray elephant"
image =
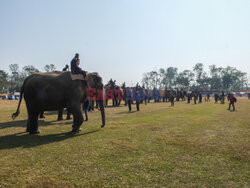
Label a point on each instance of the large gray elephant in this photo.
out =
(56, 90)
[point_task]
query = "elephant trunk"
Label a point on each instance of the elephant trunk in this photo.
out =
(102, 112)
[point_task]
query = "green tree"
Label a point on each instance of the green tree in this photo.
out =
(204, 81)
(14, 77)
(215, 80)
(30, 69)
(220, 78)
(171, 75)
(50, 68)
(146, 80)
(154, 78)
(184, 79)
(3, 81)
(162, 75)
(198, 69)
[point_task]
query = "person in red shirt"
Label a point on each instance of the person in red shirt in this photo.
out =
(232, 100)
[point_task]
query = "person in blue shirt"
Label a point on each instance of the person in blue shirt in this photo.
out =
(146, 96)
(86, 108)
(129, 98)
(138, 100)
(141, 95)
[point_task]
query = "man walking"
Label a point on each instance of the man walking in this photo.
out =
(172, 98)
(222, 98)
(129, 98)
(232, 101)
(189, 97)
(138, 100)
(208, 97)
(200, 97)
(195, 97)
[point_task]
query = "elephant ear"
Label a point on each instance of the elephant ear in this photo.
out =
(94, 78)
(97, 78)
(85, 74)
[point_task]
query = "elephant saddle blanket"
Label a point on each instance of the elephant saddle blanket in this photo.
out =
(78, 76)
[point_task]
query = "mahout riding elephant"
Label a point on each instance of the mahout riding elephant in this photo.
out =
(53, 91)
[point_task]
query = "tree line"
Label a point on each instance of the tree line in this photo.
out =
(13, 81)
(218, 78)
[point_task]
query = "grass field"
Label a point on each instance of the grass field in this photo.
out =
(201, 145)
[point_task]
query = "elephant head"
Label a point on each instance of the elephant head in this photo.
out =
(95, 82)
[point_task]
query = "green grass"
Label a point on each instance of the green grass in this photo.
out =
(201, 145)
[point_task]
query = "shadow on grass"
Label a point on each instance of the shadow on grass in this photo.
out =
(126, 112)
(51, 113)
(114, 106)
(22, 123)
(55, 112)
(41, 122)
(26, 140)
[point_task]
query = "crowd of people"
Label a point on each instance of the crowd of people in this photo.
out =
(139, 94)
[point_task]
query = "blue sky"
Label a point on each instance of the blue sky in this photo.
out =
(122, 39)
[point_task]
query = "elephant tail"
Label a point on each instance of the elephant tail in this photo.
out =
(14, 115)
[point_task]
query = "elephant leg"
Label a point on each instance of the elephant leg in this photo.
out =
(92, 106)
(28, 124)
(77, 118)
(68, 114)
(60, 115)
(33, 123)
(42, 114)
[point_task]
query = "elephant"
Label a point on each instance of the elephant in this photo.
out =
(53, 91)
(60, 115)
(116, 94)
